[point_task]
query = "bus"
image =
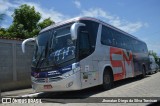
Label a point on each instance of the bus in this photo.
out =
(84, 52)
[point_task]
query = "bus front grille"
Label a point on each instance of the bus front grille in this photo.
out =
(52, 79)
(44, 80)
(39, 80)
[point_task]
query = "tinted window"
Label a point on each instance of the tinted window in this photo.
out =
(114, 38)
(140, 47)
(91, 28)
(87, 38)
(128, 43)
(145, 48)
(124, 41)
(43, 38)
(118, 39)
(106, 36)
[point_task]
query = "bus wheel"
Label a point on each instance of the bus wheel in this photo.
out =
(107, 80)
(143, 72)
(151, 73)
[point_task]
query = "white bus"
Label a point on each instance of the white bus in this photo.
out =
(84, 52)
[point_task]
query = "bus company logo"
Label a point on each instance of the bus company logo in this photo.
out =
(121, 58)
(6, 100)
(66, 69)
(53, 72)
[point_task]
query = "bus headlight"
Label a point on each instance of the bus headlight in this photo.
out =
(32, 79)
(75, 68)
(67, 74)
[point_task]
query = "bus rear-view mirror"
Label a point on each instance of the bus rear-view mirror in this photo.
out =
(74, 29)
(25, 41)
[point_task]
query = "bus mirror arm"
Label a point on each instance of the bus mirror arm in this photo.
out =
(25, 41)
(74, 29)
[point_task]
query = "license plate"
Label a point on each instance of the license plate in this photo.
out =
(48, 86)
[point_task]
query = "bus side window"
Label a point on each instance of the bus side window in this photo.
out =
(115, 38)
(106, 36)
(142, 47)
(134, 45)
(128, 41)
(118, 39)
(145, 48)
(137, 47)
(92, 28)
(84, 44)
(130, 46)
(87, 38)
(123, 41)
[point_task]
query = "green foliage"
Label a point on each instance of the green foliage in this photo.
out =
(25, 20)
(154, 54)
(27, 16)
(2, 31)
(25, 23)
(45, 23)
(18, 31)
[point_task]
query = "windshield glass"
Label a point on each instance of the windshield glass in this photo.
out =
(62, 46)
(54, 47)
(42, 42)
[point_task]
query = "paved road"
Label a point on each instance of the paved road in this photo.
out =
(133, 87)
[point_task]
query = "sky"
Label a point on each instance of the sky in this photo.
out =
(140, 18)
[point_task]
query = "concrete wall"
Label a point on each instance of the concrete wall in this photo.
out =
(14, 65)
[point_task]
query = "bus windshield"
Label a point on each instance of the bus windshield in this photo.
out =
(54, 47)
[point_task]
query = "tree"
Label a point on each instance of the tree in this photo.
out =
(25, 20)
(27, 16)
(2, 31)
(45, 23)
(25, 23)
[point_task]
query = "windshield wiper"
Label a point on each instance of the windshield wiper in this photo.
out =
(39, 58)
(40, 62)
(52, 49)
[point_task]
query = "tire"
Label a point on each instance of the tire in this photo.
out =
(149, 73)
(107, 80)
(143, 72)
(156, 71)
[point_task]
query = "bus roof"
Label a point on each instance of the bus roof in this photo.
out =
(88, 18)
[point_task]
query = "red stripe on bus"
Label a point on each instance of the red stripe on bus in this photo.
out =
(117, 63)
(128, 58)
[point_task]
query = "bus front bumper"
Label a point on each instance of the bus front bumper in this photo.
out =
(67, 84)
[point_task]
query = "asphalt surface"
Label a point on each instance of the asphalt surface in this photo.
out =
(132, 87)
